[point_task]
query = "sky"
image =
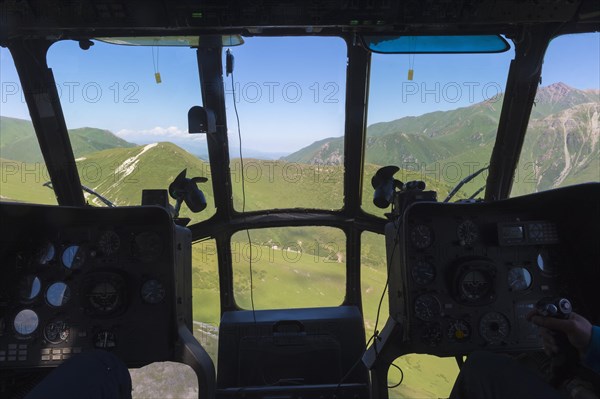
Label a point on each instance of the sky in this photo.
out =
(289, 91)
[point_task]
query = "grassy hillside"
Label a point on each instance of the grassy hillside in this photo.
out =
(561, 145)
(18, 140)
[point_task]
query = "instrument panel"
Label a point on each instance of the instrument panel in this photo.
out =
(464, 276)
(78, 279)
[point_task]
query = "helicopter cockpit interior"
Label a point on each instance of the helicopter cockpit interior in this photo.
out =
(295, 199)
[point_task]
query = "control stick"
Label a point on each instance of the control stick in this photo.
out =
(565, 360)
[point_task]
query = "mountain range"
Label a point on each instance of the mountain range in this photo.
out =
(561, 147)
(561, 144)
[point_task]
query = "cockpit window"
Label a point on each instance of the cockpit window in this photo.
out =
(561, 146)
(129, 106)
(435, 117)
(22, 168)
(289, 97)
(289, 267)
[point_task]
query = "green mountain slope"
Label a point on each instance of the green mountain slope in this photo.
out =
(120, 174)
(19, 142)
(447, 146)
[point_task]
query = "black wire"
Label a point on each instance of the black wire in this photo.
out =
(387, 281)
(237, 116)
(353, 367)
(401, 377)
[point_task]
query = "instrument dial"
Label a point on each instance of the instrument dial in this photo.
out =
(73, 257)
(58, 294)
(475, 285)
(153, 292)
(105, 340)
(421, 236)
(427, 307)
(422, 272)
(467, 233)
(26, 322)
(109, 243)
(104, 297)
(432, 334)
(45, 253)
(519, 279)
(459, 330)
(494, 327)
(29, 288)
(56, 332)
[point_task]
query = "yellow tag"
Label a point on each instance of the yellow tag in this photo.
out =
(157, 77)
(411, 72)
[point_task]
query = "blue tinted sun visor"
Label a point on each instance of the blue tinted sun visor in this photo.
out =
(436, 44)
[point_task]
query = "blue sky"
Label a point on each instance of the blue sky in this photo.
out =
(290, 91)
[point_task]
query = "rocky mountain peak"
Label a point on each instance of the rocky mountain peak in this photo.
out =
(555, 93)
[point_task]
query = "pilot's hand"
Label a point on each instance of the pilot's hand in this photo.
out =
(577, 329)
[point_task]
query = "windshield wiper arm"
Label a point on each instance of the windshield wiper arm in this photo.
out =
(465, 181)
(88, 190)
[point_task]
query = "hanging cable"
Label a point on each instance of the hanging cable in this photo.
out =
(229, 69)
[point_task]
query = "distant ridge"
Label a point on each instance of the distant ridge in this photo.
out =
(19, 142)
(564, 123)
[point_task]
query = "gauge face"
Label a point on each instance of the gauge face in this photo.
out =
(26, 322)
(494, 327)
(105, 340)
(427, 307)
(546, 261)
(467, 233)
(109, 243)
(58, 294)
(104, 297)
(153, 292)
(475, 285)
(56, 332)
(432, 334)
(29, 288)
(45, 253)
(519, 279)
(459, 330)
(421, 236)
(147, 246)
(73, 257)
(422, 272)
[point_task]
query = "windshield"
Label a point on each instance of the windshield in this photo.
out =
(434, 116)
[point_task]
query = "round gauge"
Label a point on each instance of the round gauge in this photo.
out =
(459, 330)
(58, 294)
(109, 243)
(105, 340)
(26, 322)
(29, 288)
(104, 297)
(432, 334)
(475, 285)
(546, 261)
(422, 272)
(494, 327)
(153, 292)
(147, 246)
(519, 279)
(467, 233)
(73, 257)
(427, 307)
(421, 236)
(56, 332)
(45, 253)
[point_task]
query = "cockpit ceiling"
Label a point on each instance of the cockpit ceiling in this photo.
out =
(70, 17)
